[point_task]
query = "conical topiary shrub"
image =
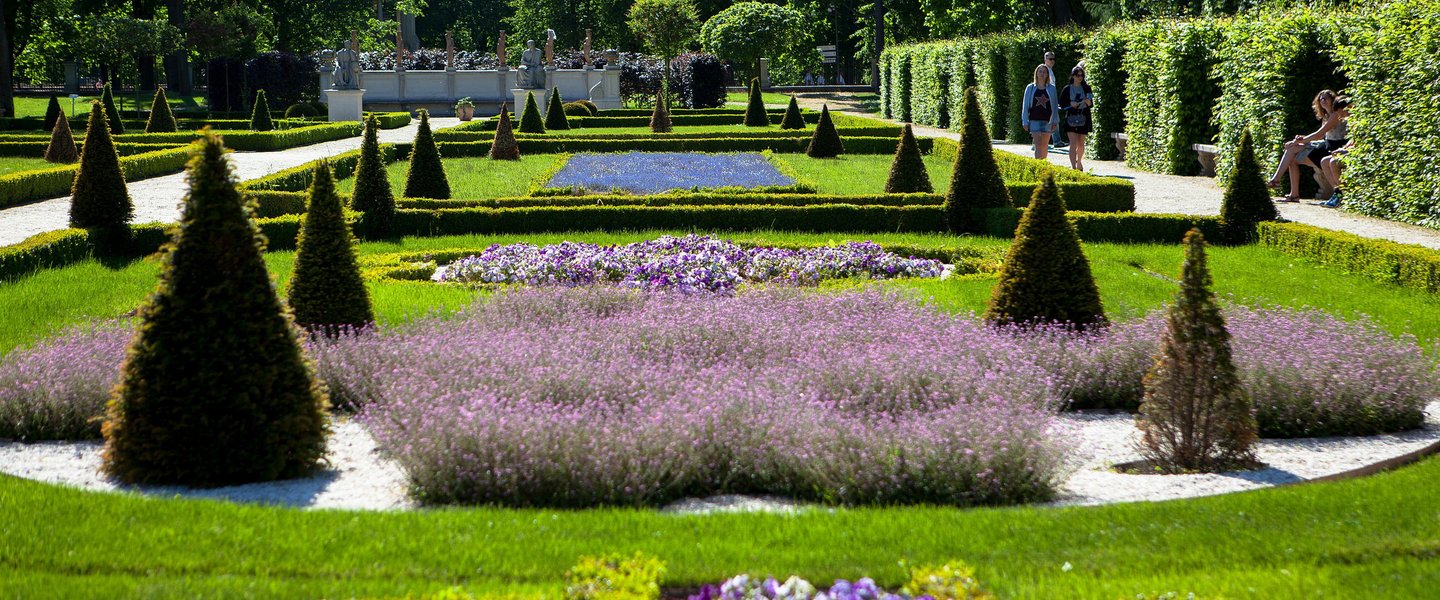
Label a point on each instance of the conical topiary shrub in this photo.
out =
(161, 119)
(62, 143)
(112, 114)
(52, 113)
(792, 119)
(755, 115)
(426, 175)
(326, 290)
(825, 142)
(372, 196)
(660, 117)
(1247, 200)
(1195, 416)
(975, 182)
(99, 200)
(260, 117)
(215, 389)
(555, 115)
(530, 121)
(907, 172)
(1045, 278)
(504, 146)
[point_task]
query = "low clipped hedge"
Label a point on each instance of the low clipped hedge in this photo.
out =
(43, 251)
(452, 135)
(1405, 265)
(37, 149)
(298, 178)
(792, 144)
(26, 186)
(678, 120)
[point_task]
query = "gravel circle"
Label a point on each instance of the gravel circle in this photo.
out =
(358, 477)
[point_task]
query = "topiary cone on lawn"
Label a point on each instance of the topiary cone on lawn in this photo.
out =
(372, 196)
(555, 115)
(161, 119)
(530, 121)
(1195, 416)
(260, 117)
(504, 146)
(52, 113)
(660, 117)
(326, 290)
(426, 176)
(111, 113)
(755, 115)
(62, 143)
(99, 200)
(1247, 200)
(975, 182)
(214, 389)
(1045, 278)
(825, 142)
(792, 119)
(907, 172)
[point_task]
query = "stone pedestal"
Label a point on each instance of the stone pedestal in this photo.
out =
(345, 105)
(519, 94)
(72, 77)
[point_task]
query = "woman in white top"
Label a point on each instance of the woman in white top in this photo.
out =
(1309, 149)
(1040, 113)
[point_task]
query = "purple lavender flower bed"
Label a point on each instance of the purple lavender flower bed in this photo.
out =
(656, 172)
(690, 264)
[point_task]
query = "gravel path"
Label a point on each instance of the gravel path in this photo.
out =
(1156, 193)
(358, 477)
(158, 199)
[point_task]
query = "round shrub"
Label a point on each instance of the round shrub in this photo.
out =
(301, 110)
(215, 389)
(577, 109)
(594, 110)
(699, 80)
(287, 78)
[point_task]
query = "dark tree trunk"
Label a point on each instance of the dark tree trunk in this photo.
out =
(145, 63)
(7, 88)
(879, 45)
(177, 64)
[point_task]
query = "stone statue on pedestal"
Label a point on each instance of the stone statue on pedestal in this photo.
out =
(500, 51)
(585, 51)
(347, 68)
(532, 72)
(550, 47)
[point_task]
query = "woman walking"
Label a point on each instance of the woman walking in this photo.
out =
(1040, 114)
(1077, 100)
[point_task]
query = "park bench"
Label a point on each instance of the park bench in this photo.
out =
(1120, 140)
(1206, 154)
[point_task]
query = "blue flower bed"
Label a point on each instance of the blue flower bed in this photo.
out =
(656, 172)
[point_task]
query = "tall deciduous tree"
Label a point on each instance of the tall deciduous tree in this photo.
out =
(749, 31)
(664, 26)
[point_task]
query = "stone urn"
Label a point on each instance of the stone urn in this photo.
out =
(465, 109)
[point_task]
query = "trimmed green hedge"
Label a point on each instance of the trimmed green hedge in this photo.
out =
(37, 149)
(637, 121)
(1405, 265)
(43, 251)
(549, 145)
(297, 178)
(26, 186)
(1023, 52)
(1170, 107)
(452, 135)
(1105, 71)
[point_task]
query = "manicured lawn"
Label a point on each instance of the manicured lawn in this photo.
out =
(861, 173)
(12, 164)
(34, 106)
(742, 98)
(476, 177)
(1133, 279)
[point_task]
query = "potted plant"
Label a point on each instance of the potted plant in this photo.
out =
(465, 108)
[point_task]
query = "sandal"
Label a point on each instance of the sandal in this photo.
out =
(1295, 199)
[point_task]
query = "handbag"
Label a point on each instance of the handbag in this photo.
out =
(1075, 120)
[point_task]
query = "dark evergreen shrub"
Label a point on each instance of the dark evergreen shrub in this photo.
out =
(215, 389)
(699, 80)
(907, 172)
(112, 115)
(62, 143)
(531, 121)
(326, 290)
(825, 143)
(301, 110)
(426, 175)
(260, 117)
(660, 117)
(1247, 200)
(975, 182)
(1046, 278)
(504, 146)
(755, 115)
(98, 198)
(372, 196)
(286, 78)
(792, 119)
(594, 110)
(225, 84)
(555, 115)
(161, 119)
(1195, 416)
(52, 113)
(576, 109)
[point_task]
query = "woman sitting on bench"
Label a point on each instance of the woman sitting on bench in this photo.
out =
(1309, 149)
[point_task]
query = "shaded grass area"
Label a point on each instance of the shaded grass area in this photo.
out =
(1373, 538)
(34, 106)
(861, 173)
(474, 177)
(13, 164)
(1133, 279)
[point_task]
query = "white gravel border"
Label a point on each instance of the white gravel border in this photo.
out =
(359, 478)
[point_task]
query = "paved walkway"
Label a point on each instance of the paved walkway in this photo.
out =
(1175, 194)
(158, 198)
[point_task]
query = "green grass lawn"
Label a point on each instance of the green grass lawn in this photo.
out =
(12, 164)
(475, 177)
(740, 99)
(34, 106)
(1377, 537)
(861, 173)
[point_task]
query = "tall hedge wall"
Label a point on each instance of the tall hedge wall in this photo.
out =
(1172, 92)
(1105, 52)
(1023, 52)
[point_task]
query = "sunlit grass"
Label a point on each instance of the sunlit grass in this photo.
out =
(475, 177)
